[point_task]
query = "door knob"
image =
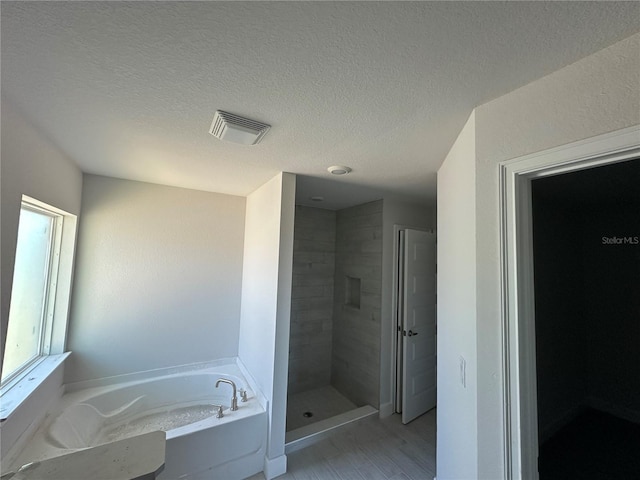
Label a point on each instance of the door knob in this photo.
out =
(412, 333)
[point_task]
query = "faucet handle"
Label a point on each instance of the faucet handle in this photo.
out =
(243, 395)
(219, 413)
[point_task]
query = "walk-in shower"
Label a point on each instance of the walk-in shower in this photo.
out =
(334, 352)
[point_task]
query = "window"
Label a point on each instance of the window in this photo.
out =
(40, 289)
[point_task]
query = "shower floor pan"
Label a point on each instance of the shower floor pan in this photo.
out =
(309, 434)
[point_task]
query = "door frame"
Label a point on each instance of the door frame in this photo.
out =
(519, 401)
(394, 306)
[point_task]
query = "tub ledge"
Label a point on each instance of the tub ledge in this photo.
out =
(139, 457)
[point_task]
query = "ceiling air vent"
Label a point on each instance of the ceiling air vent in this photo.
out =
(232, 128)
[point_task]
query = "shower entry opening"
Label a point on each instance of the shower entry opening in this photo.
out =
(334, 341)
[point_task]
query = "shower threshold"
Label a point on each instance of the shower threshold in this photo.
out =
(309, 434)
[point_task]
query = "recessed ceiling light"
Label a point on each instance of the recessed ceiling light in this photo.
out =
(233, 128)
(339, 170)
(317, 199)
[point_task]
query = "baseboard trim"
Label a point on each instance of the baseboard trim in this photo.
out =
(386, 410)
(274, 467)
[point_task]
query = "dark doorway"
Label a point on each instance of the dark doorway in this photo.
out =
(586, 230)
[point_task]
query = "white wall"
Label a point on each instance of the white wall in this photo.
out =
(266, 301)
(457, 453)
(394, 212)
(31, 165)
(158, 278)
(598, 94)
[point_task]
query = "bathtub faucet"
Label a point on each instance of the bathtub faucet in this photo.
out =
(234, 400)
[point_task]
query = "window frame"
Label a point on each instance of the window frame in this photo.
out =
(48, 314)
(56, 304)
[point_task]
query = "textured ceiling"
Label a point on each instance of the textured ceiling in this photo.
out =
(128, 89)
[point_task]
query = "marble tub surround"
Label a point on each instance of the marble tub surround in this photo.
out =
(139, 457)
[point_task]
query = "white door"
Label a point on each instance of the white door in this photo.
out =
(419, 325)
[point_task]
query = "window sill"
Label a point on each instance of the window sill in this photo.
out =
(14, 393)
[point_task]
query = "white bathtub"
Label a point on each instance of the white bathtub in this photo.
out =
(199, 445)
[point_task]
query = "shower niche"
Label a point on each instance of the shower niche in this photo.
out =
(334, 347)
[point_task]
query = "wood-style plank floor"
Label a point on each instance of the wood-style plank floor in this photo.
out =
(371, 449)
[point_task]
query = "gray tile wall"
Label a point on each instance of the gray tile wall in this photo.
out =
(355, 365)
(312, 299)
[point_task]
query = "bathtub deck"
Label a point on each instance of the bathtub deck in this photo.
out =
(135, 457)
(198, 443)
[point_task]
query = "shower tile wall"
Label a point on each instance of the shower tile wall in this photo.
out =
(312, 299)
(355, 366)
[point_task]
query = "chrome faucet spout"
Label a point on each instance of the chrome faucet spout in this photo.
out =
(234, 399)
